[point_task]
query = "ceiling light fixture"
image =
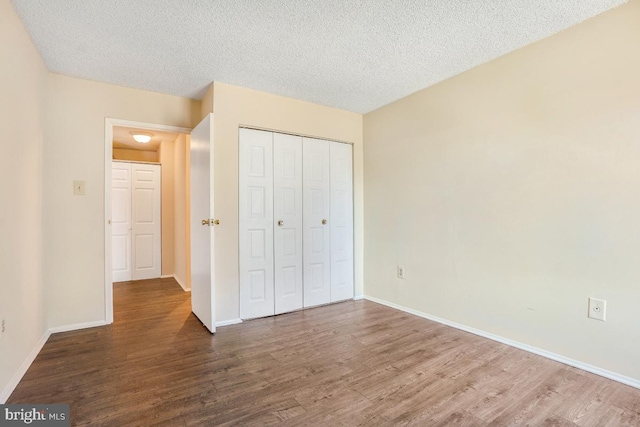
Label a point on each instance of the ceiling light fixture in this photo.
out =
(142, 137)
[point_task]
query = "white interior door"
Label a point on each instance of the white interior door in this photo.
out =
(316, 210)
(256, 224)
(146, 248)
(121, 221)
(202, 209)
(287, 213)
(341, 222)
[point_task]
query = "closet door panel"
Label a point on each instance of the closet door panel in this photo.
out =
(121, 221)
(287, 171)
(341, 222)
(146, 227)
(256, 223)
(316, 210)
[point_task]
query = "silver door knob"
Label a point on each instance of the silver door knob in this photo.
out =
(324, 222)
(280, 223)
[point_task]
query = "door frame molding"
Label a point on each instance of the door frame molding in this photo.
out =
(109, 123)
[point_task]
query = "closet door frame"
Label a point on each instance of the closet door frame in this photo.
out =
(326, 238)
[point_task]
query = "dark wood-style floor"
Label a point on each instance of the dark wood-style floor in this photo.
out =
(353, 363)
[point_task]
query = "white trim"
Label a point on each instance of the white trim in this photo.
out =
(633, 382)
(358, 297)
(108, 279)
(148, 126)
(76, 326)
(228, 322)
(109, 123)
(167, 276)
(15, 380)
(184, 288)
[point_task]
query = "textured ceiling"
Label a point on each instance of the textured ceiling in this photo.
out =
(351, 54)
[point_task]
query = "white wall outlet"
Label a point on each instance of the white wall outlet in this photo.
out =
(78, 188)
(597, 309)
(400, 272)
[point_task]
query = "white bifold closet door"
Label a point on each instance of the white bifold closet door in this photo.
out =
(316, 180)
(341, 222)
(136, 252)
(256, 261)
(295, 222)
(287, 208)
(121, 221)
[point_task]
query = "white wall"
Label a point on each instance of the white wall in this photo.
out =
(166, 157)
(74, 149)
(135, 155)
(22, 85)
(181, 213)
(234, 107)
(511, 194)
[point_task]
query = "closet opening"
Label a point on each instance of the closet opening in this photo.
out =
(295, 222)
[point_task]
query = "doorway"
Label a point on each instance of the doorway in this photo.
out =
(167, 149)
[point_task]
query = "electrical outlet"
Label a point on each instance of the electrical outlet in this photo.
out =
(4, 327)
(597, 309)
(400, 272)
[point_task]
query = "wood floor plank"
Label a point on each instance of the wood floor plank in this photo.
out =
(355, 363)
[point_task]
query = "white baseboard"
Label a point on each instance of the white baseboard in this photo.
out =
(15, 380)
(166, 276)
(77, 326)
(184, 288)
(633, 382)
(228, 322)
(358, 297)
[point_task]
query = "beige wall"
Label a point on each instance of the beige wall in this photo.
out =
(206, 106)
(511, 194)
(135, 155)
(74, 149)
(165, 154)
(22, 85)
(182, 271)
(234, 107)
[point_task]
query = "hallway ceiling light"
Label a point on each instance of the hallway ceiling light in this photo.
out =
(142, 137)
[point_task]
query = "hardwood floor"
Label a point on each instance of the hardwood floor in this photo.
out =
(353, 363)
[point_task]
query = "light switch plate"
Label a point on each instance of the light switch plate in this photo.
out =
(597, 309)
(78, 188)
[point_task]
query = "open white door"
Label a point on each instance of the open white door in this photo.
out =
(201, 172)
